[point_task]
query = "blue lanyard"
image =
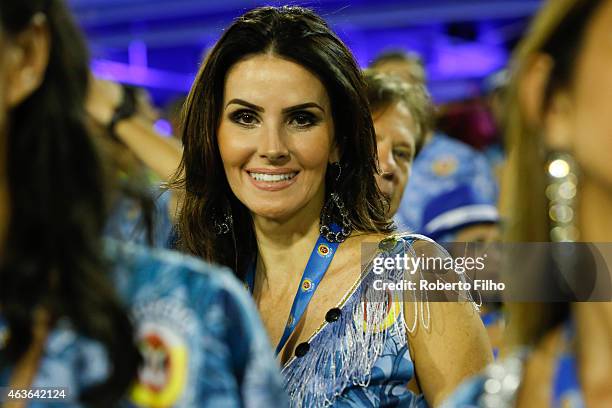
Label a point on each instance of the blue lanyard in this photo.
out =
(318, 263)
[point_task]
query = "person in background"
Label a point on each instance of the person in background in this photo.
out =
(172, 113)
(109, 323)
(127, 116)
(452, 193)
(406, 65)
(558, 189)
(403, 118)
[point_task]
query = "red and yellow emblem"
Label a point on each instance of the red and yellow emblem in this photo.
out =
(162, 378)
(307, 285)
(324, 250)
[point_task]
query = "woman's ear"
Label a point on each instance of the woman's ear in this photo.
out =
(532, 88)
(27, 58)
(552, 116)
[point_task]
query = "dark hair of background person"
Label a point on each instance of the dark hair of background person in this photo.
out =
(557, 31)
(299, 35)
(53, 257)
(386, 90)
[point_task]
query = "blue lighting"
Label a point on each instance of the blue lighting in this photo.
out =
(163, 127)
(141, 76)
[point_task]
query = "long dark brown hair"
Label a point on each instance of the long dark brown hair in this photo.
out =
(53, 255)
(299, 35)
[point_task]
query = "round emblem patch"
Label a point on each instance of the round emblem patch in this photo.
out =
(307, 285)
(162, 378)
(324, 250)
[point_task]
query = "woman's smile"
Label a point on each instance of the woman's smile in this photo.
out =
(272, 179)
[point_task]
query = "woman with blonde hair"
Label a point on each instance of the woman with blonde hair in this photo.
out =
(557, 188)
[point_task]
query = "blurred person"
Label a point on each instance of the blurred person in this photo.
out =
(126, 114)
(108, 323)
(279, 173)
(172, 113)
(144, 103)
(406, 65)
(494, 88)
(115, 108)
(452, 193)
(558, 129)
(403, 117)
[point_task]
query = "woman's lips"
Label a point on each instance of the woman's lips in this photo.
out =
(272, 179)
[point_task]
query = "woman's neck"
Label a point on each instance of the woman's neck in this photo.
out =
(284, 248)
(594, 319)
(594, 209)
(593, 322)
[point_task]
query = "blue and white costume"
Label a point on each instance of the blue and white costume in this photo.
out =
(451, 186)
(360, 357)
(199, 333)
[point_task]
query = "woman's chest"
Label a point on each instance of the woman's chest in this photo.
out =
(323, 305)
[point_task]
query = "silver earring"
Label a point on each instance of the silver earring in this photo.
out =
(341, 231)
(225, 223)
(326, 228)
(561, 193)
(337, 168)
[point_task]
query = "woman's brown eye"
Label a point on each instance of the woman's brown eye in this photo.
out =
(303, 119)
(244, 118)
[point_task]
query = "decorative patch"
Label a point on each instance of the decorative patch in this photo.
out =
(307, 285)
(162, 378)
(444, 166)
(324, 250)
(165, 328)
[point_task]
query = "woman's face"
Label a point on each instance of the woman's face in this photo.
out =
(588, 122)
(276, 137)
(395, 141)
(23, 62)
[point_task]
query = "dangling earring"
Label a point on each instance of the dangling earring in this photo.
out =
(329, 229)
(224, 223)
(561, 193)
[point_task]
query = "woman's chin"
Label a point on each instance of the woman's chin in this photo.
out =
(278, 215)
(272, 214)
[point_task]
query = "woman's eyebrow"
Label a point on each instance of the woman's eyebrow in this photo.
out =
(246, 104)
(290, 109)
(303, 106)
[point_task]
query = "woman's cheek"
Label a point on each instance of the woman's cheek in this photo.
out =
(313, 151)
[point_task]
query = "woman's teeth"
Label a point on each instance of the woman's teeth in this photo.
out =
(272, 177)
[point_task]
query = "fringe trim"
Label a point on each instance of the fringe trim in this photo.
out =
(344, 352)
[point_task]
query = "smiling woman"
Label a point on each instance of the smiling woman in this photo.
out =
(279, 170)
(288, 111)
(277, 81)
